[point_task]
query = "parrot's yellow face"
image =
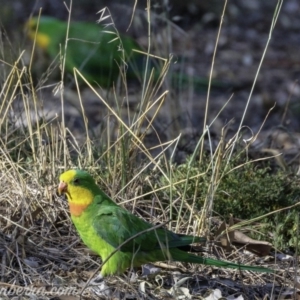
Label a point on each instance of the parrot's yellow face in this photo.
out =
(75, 185)
(32, 29)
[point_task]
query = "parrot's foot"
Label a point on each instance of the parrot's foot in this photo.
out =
(99, 287)
(133, 276)
(149, 269)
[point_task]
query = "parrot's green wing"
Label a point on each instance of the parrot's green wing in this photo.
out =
(98, 54)
(115, 225)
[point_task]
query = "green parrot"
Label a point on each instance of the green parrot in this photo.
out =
(98, 56)
(96, 53)
(103, 226)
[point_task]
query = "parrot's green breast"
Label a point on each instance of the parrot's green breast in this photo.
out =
(88, 234)
(118, 263)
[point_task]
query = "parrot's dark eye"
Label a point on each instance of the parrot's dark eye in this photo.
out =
(76, 181)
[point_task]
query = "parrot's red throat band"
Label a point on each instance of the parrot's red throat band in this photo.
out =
(77, 209)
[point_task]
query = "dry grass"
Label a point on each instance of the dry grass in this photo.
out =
(40, 248)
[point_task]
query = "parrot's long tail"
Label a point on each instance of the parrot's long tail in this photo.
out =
(218, 263)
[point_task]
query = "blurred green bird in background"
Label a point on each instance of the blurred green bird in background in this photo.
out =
(100, 55)
(96, 53)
